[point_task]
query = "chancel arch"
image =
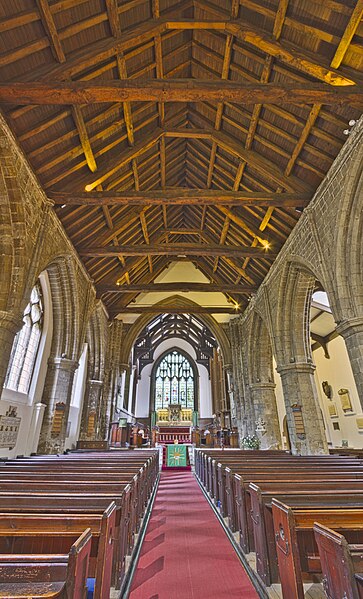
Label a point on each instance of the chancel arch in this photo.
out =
(146, 388)
(214, 327)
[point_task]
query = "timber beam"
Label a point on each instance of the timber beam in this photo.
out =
(155, 309)
(206, 197)
(176, 249)
(176, 287)
(178, 90)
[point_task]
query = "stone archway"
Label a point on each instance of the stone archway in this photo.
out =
(349, 272)
(261, 382)
(294, 359)
(176, 300)
(65, 352)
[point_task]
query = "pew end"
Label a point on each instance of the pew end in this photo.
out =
(340, 563)
(60, 576)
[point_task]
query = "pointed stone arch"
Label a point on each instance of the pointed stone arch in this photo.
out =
(261, 380)
(294, 358)
(349, 246)
(177, 301)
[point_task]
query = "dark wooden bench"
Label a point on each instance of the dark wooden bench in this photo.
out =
(217, 468)
(51, 576)
(341, 563)
(295, 495)
(70, 504)
(297, 552)
(81, 482)
(18, 531)
(238, 505)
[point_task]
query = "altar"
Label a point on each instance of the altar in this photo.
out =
(173, 425)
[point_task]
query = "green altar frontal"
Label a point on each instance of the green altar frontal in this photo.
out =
(176, 455)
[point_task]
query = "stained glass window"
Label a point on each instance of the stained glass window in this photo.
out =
(174, 382)
(26, 344)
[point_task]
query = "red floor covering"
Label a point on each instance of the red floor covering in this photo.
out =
(185, 553)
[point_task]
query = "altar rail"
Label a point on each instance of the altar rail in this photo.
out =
(171, 437)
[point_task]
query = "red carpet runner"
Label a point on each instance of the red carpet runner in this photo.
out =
(186, 554)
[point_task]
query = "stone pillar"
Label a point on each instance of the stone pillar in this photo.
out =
(56, 397)
(300, 391)
(92, 411)
(108, 394)
(267, 418)
(352, 332)
(111, 377)
(228, 369)
(9, 326)
(241, 395)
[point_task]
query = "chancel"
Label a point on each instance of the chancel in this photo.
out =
(181, 299)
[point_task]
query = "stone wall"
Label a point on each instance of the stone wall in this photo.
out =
(32, 240)
(325, 246)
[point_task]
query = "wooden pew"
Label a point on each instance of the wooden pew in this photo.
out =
(247, 457)
(239, 504)
(342, 564)
(295, 495)
(217, 468)
(295, 480)
(297, 552)
(51, 576)
(19, 531)
(70, 504)
(125, 521)
(88, 468)
(225, 493)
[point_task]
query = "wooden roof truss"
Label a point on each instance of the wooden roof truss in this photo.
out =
(203, 125)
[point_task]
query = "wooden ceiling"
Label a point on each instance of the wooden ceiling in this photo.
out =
(231, 115)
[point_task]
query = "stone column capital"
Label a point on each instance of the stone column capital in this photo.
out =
(124, 367)
(299, 367)
(228, 367)
(95, 383)
(60, 363)
(262, 385)
(350, 326)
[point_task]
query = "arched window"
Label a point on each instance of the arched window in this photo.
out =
(26, 344)
(174, 381)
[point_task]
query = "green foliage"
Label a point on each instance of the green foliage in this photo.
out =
(250, 442)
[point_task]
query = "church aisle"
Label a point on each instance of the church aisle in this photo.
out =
(186, 554)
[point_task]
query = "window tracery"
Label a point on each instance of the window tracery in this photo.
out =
(174, 381)
(26, 344)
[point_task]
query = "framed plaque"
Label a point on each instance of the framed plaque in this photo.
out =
(332, 409)
(345, 400)
(9, 428)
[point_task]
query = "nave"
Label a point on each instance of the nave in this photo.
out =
(111, 525)
(185, 552)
